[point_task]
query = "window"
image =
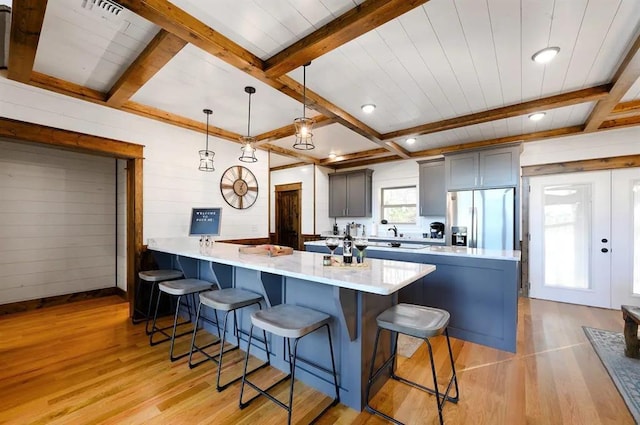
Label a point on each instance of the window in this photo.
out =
(399, 204)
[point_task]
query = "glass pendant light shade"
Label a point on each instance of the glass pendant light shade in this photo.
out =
(304, 125)
(206, 156)
(248, 151)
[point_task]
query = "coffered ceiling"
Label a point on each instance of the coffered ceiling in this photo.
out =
(451, 74)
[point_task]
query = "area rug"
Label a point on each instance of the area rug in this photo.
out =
(624, 371)
(408, 345)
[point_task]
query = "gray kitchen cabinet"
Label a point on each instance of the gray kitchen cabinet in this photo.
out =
(433, 191)
(350, 193)
(483, 169)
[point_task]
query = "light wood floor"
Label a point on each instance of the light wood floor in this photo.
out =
(85, 363)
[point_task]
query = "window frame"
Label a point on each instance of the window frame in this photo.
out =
(415, 206)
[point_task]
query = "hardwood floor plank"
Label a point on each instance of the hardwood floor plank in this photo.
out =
(85, 363)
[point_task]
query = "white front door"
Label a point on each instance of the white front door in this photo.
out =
(569, 221)
(625, 237)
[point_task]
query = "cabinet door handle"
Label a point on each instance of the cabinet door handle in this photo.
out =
(475, 181)
(481, 180)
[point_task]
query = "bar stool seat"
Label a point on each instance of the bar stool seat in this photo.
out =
(227, 300)
(419, 322)
(177, 288)
(152, 277)
(290, 322)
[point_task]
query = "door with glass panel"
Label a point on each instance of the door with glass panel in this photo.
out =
(625, 237)
(569, 248)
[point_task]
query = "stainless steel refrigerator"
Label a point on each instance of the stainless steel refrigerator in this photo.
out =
(488, 216)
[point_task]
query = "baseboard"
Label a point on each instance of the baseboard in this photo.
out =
(22, 306)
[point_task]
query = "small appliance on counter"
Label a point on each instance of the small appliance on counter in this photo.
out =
(459, 236)
(436, 230)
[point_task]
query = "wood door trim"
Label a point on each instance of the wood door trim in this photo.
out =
(611, 163)
(288, 187)
(24, 132)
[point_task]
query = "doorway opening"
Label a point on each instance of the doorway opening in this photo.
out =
(288, 214)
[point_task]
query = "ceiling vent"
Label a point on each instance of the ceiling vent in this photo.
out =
(107, 6)
(5, 28)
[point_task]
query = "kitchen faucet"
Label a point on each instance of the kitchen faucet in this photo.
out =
(395, 230)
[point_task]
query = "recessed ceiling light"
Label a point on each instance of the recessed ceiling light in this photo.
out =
(545, 55)
(332, 155)
(368, 108)
(537, 116)
(411, 141)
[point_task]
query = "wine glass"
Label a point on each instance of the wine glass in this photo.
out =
(332, 244)
(361, 244)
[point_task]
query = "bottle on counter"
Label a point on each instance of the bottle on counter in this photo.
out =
(347, 246)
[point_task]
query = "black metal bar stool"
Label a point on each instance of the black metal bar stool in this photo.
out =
(228, 300)
(152, 278)
(419, 322)
(290, 322)
(177, 288)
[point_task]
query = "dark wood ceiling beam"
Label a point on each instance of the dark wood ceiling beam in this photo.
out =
(365, 162)
(631, 106)
(289, 130)
(353, 156)
(178, 22)
(558, 101)
(398, 150)
(620, 122)
(65, 139)
(80, 92)
(348, 26)
(528, 137)
(626, 75)
(609, 163)
(27, 17)
(287, 166)
(290, 153)
(157, 54)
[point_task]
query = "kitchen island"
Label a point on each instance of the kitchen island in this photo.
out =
(353, 296)
(478, 287)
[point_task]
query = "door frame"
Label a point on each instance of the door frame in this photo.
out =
(25, 132)
(608, 163)
(297, 187)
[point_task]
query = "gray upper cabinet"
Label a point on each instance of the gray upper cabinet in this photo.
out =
(483, 169)
(433, 192)
(350, 194)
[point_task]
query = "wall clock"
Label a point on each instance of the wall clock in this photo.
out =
(239, 187)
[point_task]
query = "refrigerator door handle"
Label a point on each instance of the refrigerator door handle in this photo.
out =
(475, 227)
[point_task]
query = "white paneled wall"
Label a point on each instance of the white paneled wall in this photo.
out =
(121, 224)
(172, 183)
(57, 222)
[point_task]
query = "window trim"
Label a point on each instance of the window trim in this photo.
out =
(382, 204)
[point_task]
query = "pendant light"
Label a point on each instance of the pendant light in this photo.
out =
(206, 156)
(248, 151)
(304, 125)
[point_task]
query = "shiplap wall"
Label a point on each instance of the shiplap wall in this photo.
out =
(304, 175)
(57, 222)
(172, 183)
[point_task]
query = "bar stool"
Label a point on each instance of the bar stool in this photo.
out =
(227, 300)
(419, 322)
(151, 277)
(290, 322)
(177, 288)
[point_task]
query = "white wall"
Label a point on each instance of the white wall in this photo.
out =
(57, 222)
(121, 224)
(172, 183)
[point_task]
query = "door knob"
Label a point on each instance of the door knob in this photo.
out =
(604, 240)
(604, 250)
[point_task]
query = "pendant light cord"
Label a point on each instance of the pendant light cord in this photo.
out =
(207, 137)
(304, 90)
(249, 120)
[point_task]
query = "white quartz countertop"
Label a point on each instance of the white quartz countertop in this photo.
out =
(383, 277)
(458, 251)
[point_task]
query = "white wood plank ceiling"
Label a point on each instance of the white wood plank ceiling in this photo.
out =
(442, 60)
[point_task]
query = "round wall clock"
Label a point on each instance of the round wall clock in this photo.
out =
(239, 187)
